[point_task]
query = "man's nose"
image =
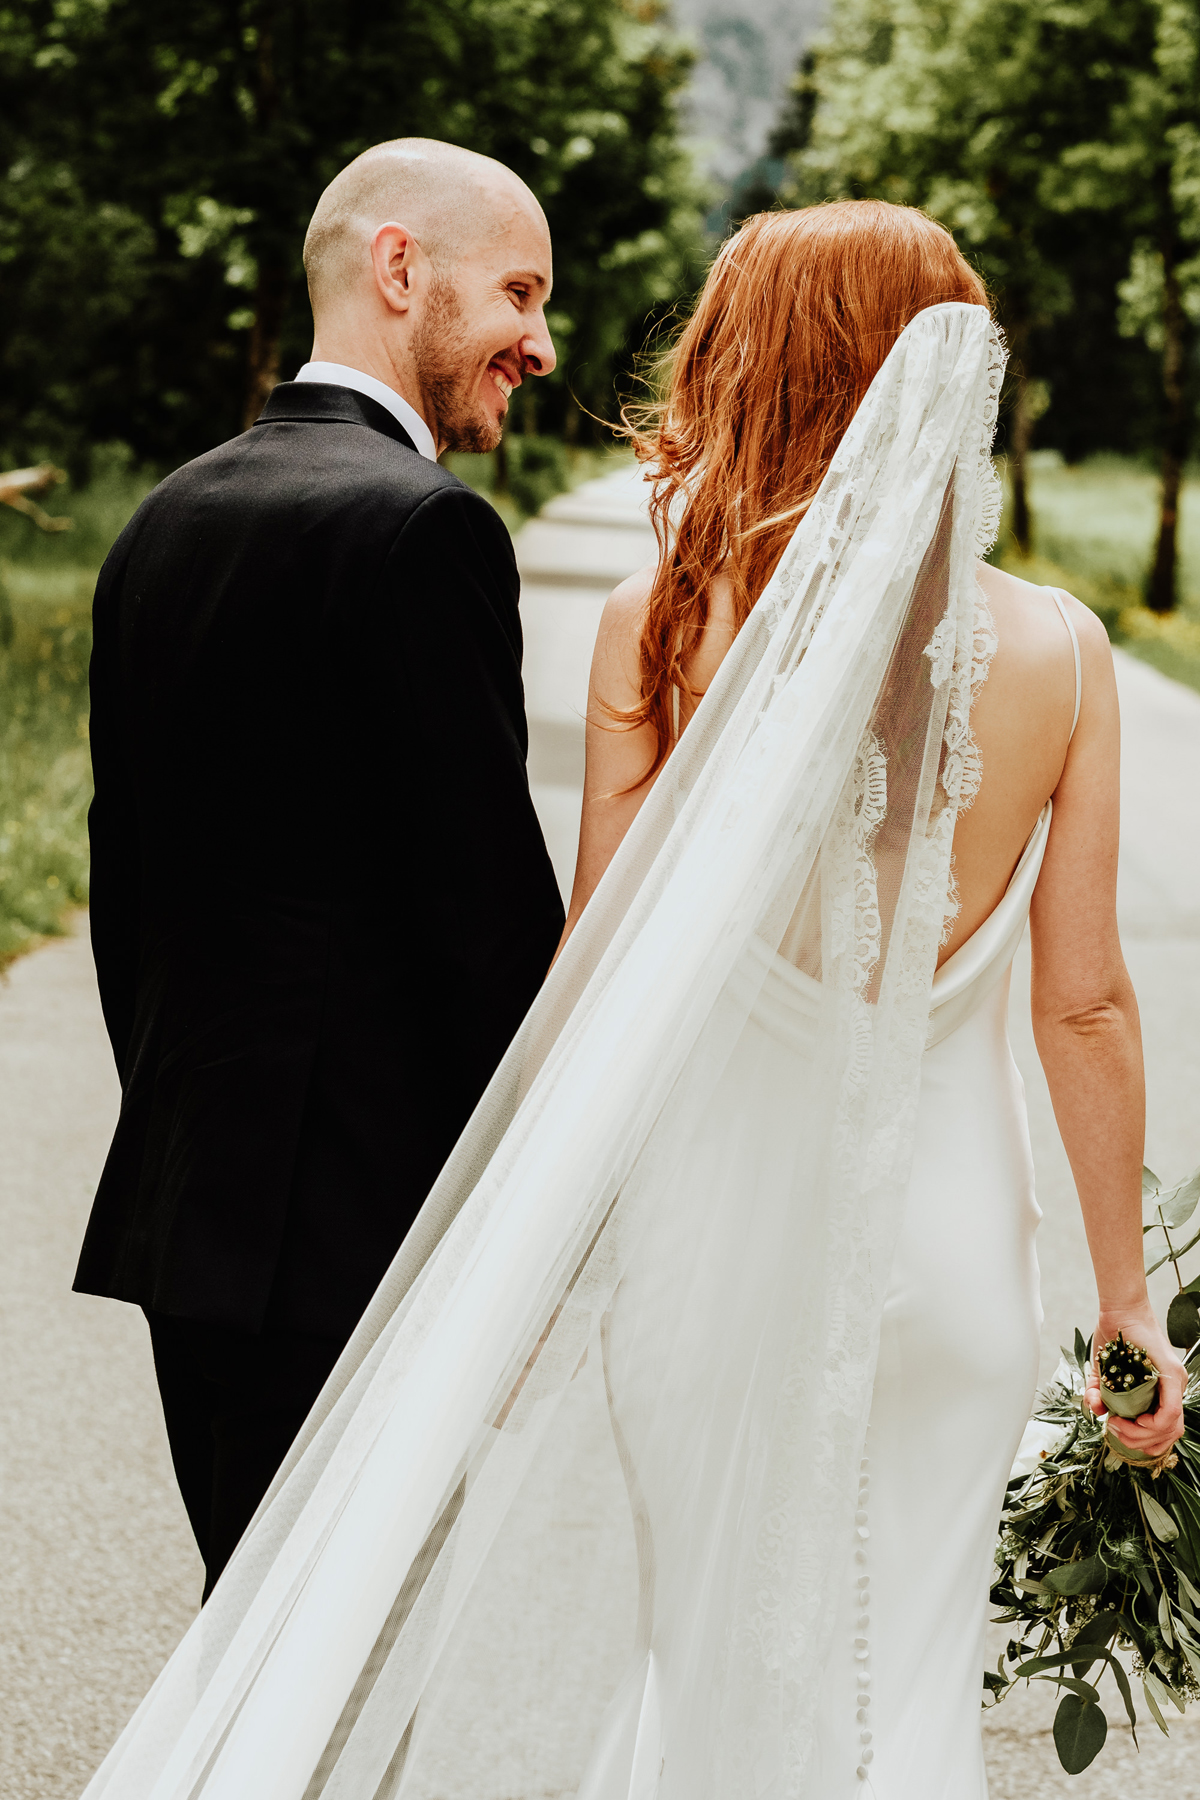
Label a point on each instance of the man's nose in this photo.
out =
(537, 349)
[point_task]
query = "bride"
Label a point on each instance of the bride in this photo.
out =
(667, 1460)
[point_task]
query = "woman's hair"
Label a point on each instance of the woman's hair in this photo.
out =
(795, 319)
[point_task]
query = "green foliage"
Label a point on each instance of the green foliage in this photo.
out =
(98, 508)
(965, 107)
(162, 163)
(1097, 519)
(1095, 527)
(1060, 144)
(1097, 1555)
(45, 774)
(538, 469)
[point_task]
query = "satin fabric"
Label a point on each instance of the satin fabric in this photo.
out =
(899, 1712)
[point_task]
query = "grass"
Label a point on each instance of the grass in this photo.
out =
(45, 774)
(1094, 531)
(46, 584)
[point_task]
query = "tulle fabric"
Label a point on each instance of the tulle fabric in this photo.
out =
(569, 1516)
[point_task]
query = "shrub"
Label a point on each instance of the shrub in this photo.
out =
(538, 468)
(45, 772)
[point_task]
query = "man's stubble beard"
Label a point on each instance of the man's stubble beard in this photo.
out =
(444, 369)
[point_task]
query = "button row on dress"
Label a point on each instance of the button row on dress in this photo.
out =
(862, 1648)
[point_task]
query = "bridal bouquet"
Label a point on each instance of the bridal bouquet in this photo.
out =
(1099, 1549)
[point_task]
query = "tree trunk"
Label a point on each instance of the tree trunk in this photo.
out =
(1163, 583)
(262, 368)
(1020, 431)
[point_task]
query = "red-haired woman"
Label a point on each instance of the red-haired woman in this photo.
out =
(794, 322)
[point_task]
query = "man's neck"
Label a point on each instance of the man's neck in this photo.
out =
(383, 381)
(370, 361)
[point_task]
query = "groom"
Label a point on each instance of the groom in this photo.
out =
(321, 901)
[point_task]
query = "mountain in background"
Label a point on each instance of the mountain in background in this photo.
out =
(747, 53)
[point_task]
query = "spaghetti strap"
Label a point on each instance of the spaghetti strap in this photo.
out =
(1058, 601)
(675, 709)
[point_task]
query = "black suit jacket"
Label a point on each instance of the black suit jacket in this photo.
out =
(321, 901)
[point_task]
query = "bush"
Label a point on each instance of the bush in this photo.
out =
(538, 469)
(98, 510)
(45, 771)
(1094, 528)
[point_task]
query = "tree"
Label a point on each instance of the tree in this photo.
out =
(966, 108)
(1145, 160)
(163, 163)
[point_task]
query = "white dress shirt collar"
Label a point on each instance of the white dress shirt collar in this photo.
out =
(338, 375)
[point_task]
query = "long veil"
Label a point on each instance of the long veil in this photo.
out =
(450, 1590)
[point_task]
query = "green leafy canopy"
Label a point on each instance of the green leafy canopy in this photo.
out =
(161, 163)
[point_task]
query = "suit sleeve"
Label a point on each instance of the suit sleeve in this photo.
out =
(112, 822)
(493, 913)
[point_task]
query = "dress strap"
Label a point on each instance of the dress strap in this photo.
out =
(1061, 605)
(675, 708)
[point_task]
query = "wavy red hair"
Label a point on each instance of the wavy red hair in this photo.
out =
(796, 317)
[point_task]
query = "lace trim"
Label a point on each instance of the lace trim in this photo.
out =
(962, 765)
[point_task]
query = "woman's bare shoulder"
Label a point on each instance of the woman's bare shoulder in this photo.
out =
(625, 608)
(1029, 627)
(616, 663)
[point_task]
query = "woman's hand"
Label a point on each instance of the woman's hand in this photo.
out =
(1156, 1431)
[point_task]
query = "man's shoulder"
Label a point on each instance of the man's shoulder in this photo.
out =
(328, 470)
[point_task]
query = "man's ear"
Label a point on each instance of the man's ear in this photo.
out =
(396, 257)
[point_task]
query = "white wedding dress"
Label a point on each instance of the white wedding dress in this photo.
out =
(899, 1711)
(584, 1509)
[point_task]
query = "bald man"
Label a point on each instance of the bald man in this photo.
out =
(321, 901)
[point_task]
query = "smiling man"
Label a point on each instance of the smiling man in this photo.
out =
(321, 902)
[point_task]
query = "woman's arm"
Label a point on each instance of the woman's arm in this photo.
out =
(617, 758)
(1085, 1023)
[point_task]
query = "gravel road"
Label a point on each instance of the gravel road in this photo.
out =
(99, 1575)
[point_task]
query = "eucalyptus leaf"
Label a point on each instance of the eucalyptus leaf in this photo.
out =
(1177, 1205)
(1152, 1703)
(1090, 1576)
(1150, 1183)
(1084, 1689)
(1172, 1255)
(1089, 1641)
(1083, 1351)
(1080, 1729)
(1158, 1518)
(1164, 1617)
(1122, 1681)
(1183, 1319)
(1058, 1659)
(1167, 1688)
(1193, 1592)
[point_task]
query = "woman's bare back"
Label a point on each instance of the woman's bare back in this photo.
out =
(1021, 721)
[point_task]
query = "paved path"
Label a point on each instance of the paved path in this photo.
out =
(98, 1573)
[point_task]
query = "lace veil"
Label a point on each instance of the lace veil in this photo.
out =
(462, 1574)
